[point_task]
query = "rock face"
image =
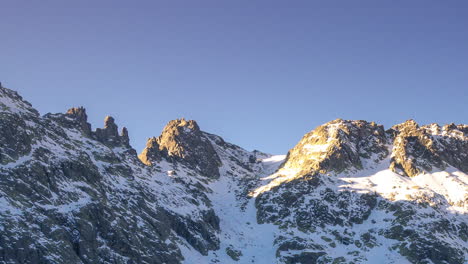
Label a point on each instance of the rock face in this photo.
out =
(422, 149)
(15, 133)
(336, 146)
(68, 195)
(79, 113)
(348, 192)
(109, 135)
(340, 185)
(182, 141)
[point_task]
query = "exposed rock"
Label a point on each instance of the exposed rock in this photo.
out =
(69, 198)
(124, 136)
(79, 113)
(109, 135)
(69, 195)
(182, 141)
(17, 129)
(419, 150)
(337, 146)
(151, 154)
(311, 193)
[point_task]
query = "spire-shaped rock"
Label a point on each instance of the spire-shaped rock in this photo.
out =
(124, 138)
(79, 113)
(108, 135)
(110, 127)
(184, 142)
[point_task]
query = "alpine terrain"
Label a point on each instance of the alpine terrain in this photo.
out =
(348, 192)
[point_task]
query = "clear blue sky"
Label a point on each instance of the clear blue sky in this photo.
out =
(258, 73)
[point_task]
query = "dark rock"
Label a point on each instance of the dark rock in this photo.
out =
(124, 138)
(109, 135)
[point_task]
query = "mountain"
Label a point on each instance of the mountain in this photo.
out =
(348, 192)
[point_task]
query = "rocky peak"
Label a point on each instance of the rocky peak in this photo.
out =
(336, 146)
(151, 153)
(408, 127)
(343, 144)
(109, 135)
(124, 136)
(183, 141)
(419, 150)
(109, 125)
(179, 136)
(460, 130)
(79, 114)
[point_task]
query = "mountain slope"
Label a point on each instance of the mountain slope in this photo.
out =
(348, 192)
(71, 196)
(338, 197)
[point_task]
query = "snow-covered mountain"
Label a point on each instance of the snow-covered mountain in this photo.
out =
(348, 192)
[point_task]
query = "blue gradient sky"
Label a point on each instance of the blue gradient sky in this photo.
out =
(258, 73)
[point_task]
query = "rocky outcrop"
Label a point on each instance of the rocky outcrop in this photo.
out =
(342, 145)
(182, 141)
(151, 154)
(70, 196)
(79, 113)
(314, 192)
(124, 138)
(419, 150)
(109, 135)
(337, 146)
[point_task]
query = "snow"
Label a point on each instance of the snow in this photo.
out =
(6, 208)
(450, 184)
(316, 148)
(239, 228)
(238, 215)
(172, 185)
(8, 104)
(272, 163)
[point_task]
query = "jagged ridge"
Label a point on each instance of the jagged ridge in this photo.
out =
(69, 194)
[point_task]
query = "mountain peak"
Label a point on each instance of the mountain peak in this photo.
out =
(337, 145)
(109, 135)
(408, 125)
(109, 122)
(79, 113)
(191, 124)
(183, 141)
(176, 134)
(71, 199)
